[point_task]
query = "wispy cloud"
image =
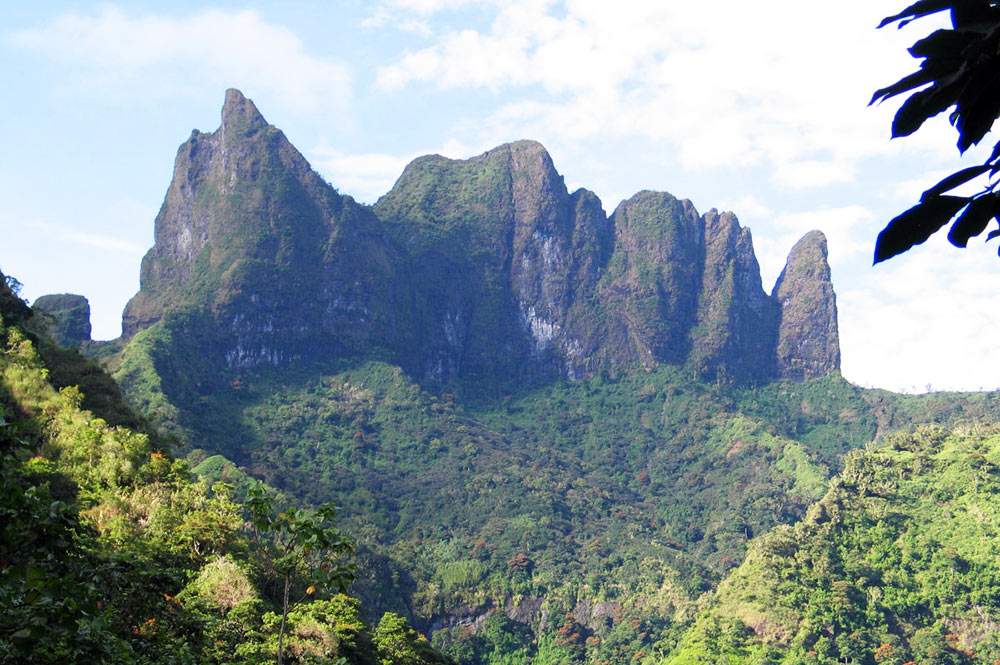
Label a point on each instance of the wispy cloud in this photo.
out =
(63, 234)
(783, 95)
(367, 176)
(113, 50)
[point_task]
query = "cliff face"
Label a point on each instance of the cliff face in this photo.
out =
(649, 292)
(736, 320)
(808, 341)
(484, 269)
(250, 235)
(499, 252)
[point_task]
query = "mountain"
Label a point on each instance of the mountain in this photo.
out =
(484, 270)
(70, 317)
(252, 238)
(553, 432)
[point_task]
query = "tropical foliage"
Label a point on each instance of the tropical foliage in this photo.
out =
(111, 551)
(958, 71)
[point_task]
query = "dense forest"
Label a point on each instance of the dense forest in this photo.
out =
(775, 531)
(113, 551)
(481, 421)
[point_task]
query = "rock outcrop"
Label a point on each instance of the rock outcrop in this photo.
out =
(499, 251)
(70, 317)
(252, 237)
(735, 334)
(649, 292)
(486, 269)
(808, 341)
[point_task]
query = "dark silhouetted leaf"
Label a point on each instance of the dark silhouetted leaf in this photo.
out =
(940, 44)
(976, 117)
(924, 104)
(969, 12)
(916, 10)
(973, 220)
(914, 80)
(954, 180)
(916, 225)
(992, 234)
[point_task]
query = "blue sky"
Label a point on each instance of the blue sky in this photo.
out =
(760, 112)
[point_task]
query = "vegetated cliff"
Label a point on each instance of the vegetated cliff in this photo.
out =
(484, 270)
(808, 343)
(346, 352)
(115, 553)
(897, 563)
(249, 235)
(69, 323)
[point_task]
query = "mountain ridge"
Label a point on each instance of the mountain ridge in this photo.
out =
(553, 431)
(486, 269)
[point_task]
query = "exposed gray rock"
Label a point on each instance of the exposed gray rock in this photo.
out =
(736, 330)
(485, 269)
(808, 341)
(650, 290)
(251, 236)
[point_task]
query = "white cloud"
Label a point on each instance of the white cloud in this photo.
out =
(748, 207)
(812, 173)
(101, 242)
(63, 234)
(721, 85)
(431, 6)
(382, 18)
(925, 317)
(846, 228)
(115, 51)
(367, 176)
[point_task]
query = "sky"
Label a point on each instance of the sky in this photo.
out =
(758, 108)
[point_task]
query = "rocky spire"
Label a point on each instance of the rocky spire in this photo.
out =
(249, 233)
(239, 115)
(808, 342)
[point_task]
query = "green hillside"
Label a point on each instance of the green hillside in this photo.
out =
(899, 562)
(614, 500)
(113, 552)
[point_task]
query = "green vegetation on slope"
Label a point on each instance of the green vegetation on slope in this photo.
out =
(617, 500)
(899, 562)
(112, 552)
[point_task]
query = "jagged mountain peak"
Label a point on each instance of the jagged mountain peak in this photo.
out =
(479, 267)
(70, 317)
(240, 116)
(808, 338)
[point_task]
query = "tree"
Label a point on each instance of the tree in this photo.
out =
(960, 71)
(304, 549)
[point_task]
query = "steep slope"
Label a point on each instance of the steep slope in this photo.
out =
(897, 563)
(502, 386)
(250, 237)
(115, 553)
(649, 292)
(808, 343)
(483, 272)
(503, 254)
(734, 338)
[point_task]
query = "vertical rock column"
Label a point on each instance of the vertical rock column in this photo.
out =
(808, 341)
